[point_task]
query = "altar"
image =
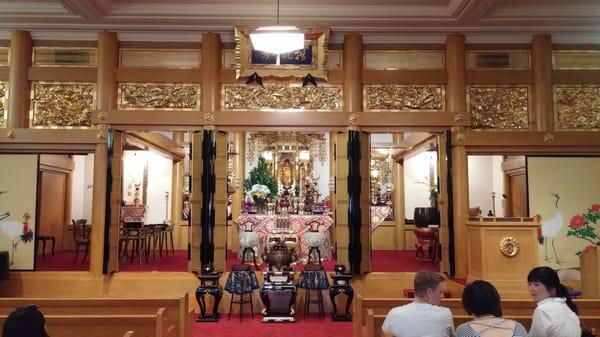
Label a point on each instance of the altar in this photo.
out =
(267, 225)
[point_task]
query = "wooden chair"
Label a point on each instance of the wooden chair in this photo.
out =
(81, 237)
(427, 244)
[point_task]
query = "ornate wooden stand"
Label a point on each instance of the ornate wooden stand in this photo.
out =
(209, 285)
(341, 285)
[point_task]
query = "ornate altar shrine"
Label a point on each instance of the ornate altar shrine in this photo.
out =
(270, 226)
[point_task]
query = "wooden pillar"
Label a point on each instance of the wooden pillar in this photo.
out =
(108, 56)
(398, 198)
(541, 56)
(18, 81)
(353, 68)
(177, 194)
(460, 196)
(457, 103)
(239, 142)
(211, 68)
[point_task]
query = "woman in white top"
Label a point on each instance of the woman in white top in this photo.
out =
(556, 314)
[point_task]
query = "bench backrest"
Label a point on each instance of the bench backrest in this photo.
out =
(155, 325)
(180, 314)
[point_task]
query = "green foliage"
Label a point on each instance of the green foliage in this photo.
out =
(260, 175)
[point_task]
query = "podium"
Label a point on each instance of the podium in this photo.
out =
(502, 251)
(590, 274)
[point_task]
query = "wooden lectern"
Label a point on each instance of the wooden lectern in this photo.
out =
(502, 251)
(590, 274)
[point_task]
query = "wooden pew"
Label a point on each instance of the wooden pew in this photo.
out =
(156, 325)
(517, 309)
(128, 334)
(180, 313)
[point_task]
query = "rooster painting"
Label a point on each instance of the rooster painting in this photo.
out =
(549, 229)
(16, 231)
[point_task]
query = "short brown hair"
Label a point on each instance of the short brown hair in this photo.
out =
(427, 280)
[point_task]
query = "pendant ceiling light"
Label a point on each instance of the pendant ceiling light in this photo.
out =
(277, 39)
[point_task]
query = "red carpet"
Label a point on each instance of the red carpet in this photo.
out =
(255, 328)
(63, 261)
(399, 261)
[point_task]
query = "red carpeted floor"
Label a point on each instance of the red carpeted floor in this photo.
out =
(382, 261)
(63, 261)
(249, 327)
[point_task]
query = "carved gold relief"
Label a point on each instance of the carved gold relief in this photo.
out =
(3, 104)
(281, 97)
(404, 98)
(498, 107)
(548, 138)
(152, 96)
(509, 246)
(353, 118)
(61, 104)
(577, 107)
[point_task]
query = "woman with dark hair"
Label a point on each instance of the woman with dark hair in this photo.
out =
(481, 300)
(556, 314)
(25, 322)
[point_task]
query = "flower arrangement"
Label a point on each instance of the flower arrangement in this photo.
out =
(259, 191)
(582, 226)
(433, 190)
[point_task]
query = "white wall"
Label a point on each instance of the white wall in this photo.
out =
(160, 171)
(82, 187)
(416, 172)
(485, 177)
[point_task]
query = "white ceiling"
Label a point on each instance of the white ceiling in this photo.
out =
(380, 21)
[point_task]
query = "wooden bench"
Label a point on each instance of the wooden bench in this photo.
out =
(517, 309)
(155, 325)
(180, 313)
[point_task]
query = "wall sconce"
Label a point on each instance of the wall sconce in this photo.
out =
(255, 79)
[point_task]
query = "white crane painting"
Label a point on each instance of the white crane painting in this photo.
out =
(16, 232)
(549, 229)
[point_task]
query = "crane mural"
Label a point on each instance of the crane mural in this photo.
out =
(17, 232)
(549, 229)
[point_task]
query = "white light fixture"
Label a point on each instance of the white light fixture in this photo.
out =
(277, 39)
(267, 155)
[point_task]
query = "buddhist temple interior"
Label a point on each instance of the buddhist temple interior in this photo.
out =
(160, 155)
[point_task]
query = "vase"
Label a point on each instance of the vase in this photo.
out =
(261, 205)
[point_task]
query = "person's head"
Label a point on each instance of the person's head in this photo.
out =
(25, 321)
(480, 298)
(543, 283)
(429, 286)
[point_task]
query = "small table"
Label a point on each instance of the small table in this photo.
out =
(209, 285)
(45, 238)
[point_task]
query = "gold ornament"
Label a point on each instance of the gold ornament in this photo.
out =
(101, 135)
(548, 138)
(460, 137)
(459, 118)
(353, 118)
(11, 134)
(509, 246)
(209, 117)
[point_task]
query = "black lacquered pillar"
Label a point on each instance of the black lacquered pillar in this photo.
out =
(207, 211)
(354, 213)
(209, 285)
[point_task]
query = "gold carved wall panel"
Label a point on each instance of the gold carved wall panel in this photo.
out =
(281, 97)
(62, 104)
(404, 98)
(577, 107)
(3, 104)
(498, 107)
(152, 96)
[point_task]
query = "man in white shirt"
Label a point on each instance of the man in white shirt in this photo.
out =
(423, 317)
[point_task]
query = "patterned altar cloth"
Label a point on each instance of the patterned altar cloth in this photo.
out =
(266, 225)
(133, 213)
(378, 215)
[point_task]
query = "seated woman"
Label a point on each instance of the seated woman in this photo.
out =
(25, 321)
(556, 314)
(481, 300)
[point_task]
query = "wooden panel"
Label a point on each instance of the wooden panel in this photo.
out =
(405, 77)
(52, 205)
(499, 77)
(523, 139)
(443, 201)
(158, 75)
(62, 74)
(341, 196)
(115, 201)
(474, 252)
(590, 274)
(196, 199)
(518, 195)
(576, 76)
(3, 73)
(365, 202)
(49, 136)
(220, 231)
(410, 239)
(383, 237)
